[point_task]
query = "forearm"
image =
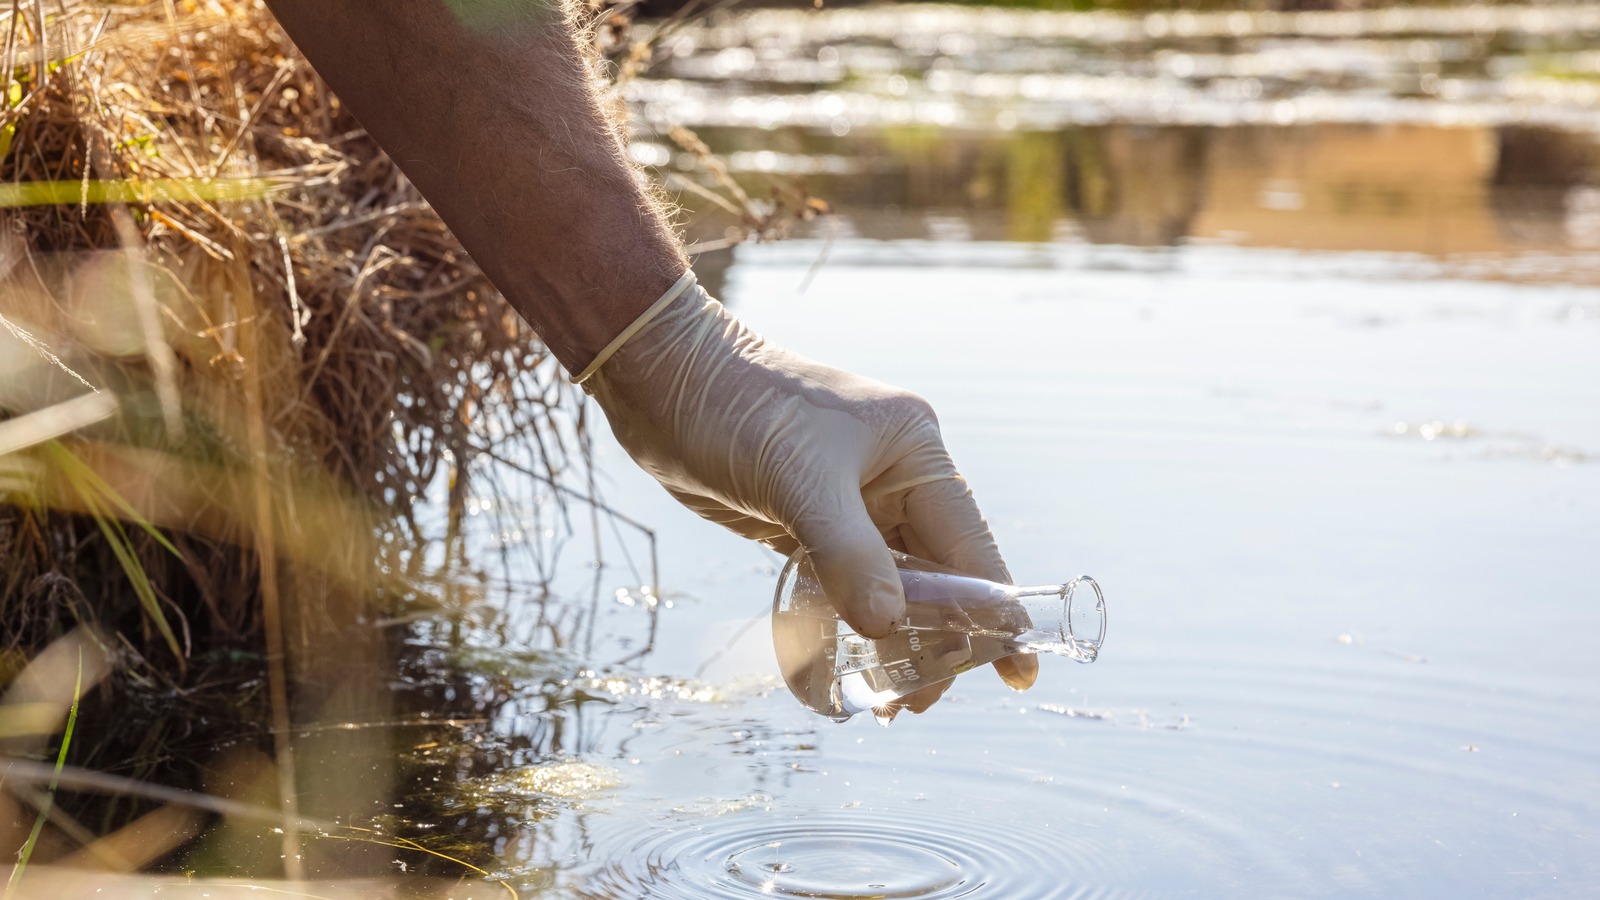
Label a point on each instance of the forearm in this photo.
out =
(494, 118)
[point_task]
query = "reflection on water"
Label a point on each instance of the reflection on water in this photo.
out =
(1446, 133)
(1009, 69)
(1457, 191)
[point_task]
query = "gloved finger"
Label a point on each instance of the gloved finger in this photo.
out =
(919, 701)
(852, 562)
(945, 523)
(1018, 672)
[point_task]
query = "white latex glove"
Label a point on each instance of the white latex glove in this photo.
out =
(792, 453)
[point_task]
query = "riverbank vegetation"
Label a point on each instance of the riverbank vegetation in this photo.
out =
(251, 393)
(237, 349)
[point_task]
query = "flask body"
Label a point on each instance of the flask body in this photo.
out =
(953, 623)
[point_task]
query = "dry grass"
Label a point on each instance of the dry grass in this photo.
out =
(236, 348)
(286, 300)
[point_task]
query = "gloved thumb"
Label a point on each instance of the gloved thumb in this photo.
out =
(852, 563)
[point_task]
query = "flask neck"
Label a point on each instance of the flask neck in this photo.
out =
(1066, 619)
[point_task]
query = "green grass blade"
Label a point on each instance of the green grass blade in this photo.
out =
(50, 790)
(98, 497)
(98, 485)
(129, 560)
(154, 190)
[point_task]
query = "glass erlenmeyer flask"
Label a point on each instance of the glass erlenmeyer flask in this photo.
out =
(953, 623)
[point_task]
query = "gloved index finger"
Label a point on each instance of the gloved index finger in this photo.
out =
(946, 523)
(949, 528)
(851, 562)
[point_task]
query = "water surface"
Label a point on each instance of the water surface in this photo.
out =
(1311, 389)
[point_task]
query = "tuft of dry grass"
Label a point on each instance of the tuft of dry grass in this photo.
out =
(194, 224)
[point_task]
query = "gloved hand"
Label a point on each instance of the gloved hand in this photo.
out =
(792, 453)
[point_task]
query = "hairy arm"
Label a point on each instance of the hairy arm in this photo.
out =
(489, 107)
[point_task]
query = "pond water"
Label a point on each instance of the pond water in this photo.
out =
(1283, 328)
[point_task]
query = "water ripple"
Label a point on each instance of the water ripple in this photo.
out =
(845, 854)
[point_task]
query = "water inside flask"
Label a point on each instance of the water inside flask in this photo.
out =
(953, 623)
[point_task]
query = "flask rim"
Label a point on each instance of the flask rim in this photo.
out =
(1068, 596)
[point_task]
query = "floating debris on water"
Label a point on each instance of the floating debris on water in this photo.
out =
(1073, 713)
(1429, 431)
(1408, 657)
(1138, 718)
(711, 807)
(1496, 445)
(1349, 640)
(562, 779)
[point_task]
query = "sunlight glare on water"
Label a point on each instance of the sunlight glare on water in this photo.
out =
(1008, 68)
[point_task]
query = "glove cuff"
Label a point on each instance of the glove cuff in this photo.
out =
(673, 293)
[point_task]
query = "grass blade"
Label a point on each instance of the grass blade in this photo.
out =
(50, 790)
(98, 499)
(155, 190)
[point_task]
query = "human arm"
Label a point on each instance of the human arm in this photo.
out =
(489, 107)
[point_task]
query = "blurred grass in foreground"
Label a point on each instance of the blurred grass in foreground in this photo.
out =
(248, 385)
(237, 350)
